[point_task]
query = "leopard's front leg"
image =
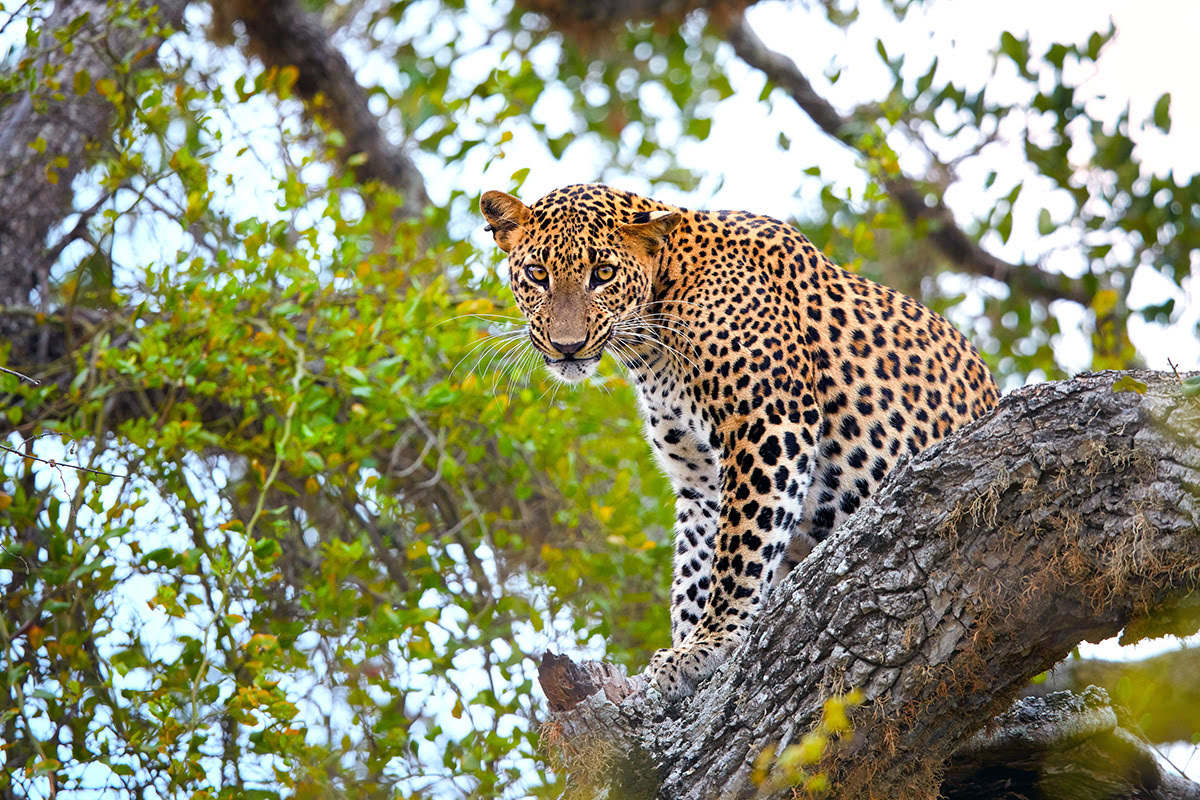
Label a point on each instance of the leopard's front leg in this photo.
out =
(765, 473)
(696, 517)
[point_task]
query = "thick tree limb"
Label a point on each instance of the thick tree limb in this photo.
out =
(1068, 514)
(1063, 746)
(954, 243)
(1162, 693)
(283, 34)
(600, 13)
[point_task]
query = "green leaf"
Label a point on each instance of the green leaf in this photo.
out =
(926, 80)
(1127, 383)
(1045, 223)
(1004, 228)
(1017, 50)
(1056, 55)
(1104, 301)
(1162, 113)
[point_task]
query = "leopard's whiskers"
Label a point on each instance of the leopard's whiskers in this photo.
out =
(648, 336)
(502, 351)
(495, 341)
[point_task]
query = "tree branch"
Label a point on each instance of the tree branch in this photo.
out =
(599, 14)
(282, 34)
(1064, 746)
(1170, 681)
(54, 122)
(1067, 514)
(944, 232)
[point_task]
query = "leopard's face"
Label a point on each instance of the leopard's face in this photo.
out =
(581, 269)
(575, 297)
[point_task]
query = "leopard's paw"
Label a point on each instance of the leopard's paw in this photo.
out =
(677, 671)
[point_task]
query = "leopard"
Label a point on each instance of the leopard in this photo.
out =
(776, 388)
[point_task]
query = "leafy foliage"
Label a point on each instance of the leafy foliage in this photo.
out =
(328, 521)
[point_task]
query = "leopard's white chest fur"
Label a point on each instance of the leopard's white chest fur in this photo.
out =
(679, 434)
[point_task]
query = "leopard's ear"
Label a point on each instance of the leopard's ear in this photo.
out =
(506, 217)
(649, 237)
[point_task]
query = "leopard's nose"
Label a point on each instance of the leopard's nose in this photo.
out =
(568, 348)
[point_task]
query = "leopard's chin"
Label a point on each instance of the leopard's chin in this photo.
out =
(572, 370)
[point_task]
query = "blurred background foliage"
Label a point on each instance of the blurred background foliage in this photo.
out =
(331, 512)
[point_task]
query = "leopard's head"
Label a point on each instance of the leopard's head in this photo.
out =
(581, 262)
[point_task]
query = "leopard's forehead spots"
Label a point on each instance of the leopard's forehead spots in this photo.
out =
(573, 227)
(585, 211)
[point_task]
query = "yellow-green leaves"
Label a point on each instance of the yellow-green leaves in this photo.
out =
(793, 766)
(1128, 383)
(1162, 113)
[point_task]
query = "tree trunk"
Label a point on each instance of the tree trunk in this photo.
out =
(1066, 515)
(45, 141)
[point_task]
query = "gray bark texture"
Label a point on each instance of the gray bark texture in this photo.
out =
(1067, 514)
(1162, 692)
(70, 126)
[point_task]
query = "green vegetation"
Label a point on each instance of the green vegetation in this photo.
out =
(326, 524)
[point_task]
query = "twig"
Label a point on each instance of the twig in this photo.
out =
(1171, 364)
(59, 464)
(34, 381)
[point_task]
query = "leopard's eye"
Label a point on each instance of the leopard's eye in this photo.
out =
(603, 274)
(538, 274)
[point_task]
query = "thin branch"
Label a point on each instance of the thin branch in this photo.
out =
(944, 232)
(21, 375)
(59, 464)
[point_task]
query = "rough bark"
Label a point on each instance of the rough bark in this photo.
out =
(37, 127)
(953, 242)
(1066, 515)
(282, 34)
(1064, 746)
